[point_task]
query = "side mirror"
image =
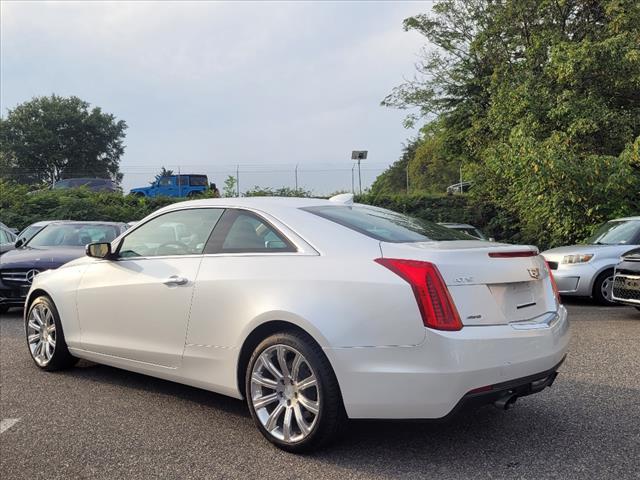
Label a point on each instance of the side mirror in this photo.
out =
(19, 242)
(98, 250)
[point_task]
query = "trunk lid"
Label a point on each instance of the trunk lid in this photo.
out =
(486, 290)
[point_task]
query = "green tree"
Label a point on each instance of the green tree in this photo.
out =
(163, 173)
(394, 178)
(540, 100)
(229, 188)
(50, 138)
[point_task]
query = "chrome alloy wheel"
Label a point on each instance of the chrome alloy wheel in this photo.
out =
(607, 288)
(41, 334)
(284, 393)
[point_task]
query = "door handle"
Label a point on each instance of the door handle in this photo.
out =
(176, 280)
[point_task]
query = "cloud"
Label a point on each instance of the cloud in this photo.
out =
(217, 83)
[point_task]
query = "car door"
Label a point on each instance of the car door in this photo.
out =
(244, 255)
(136, 305)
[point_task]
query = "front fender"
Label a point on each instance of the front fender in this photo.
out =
(61, 286)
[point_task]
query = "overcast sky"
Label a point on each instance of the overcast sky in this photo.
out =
(208, 85)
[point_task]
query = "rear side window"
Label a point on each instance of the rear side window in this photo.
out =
(385, 225)
(240, 231)
(198, 181)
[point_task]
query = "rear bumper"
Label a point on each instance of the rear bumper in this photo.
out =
(513, 389)
(432, 379)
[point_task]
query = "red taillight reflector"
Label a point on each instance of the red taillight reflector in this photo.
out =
(553, 283)
(434, 301)
(520, 254)
(486, 388)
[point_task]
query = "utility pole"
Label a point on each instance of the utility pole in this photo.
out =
(407, 174)
(237, 180)
(179, 183)
(296, 176)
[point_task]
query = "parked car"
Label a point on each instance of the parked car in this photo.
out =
(175, 186)
(626, 279)
(587, 270)
(466, 228)
(12, 230)
(312, 310)
(459, 187)
(54, 245)
(7, 239)
(93, 184)
(27, 234)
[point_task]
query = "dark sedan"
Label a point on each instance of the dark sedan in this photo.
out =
(56, 244)
(626, 279)
(7, 239)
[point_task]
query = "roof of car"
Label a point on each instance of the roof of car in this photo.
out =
(81, 222)
(256, 202)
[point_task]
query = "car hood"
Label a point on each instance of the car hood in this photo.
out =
(600, 251)
(40, 258)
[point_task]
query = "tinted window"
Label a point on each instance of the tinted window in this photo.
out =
(184, 232)
(73, 235)
(386, 225)
(244, 232)
(198, 181)
(616, 233)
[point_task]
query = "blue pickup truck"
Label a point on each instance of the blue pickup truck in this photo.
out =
(174, 186)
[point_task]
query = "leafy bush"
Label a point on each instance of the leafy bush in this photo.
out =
(19, 209)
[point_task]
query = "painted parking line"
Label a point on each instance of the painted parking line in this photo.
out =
(7, 423)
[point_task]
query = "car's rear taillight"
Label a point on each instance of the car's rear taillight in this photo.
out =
(553, 283)
(434, 301)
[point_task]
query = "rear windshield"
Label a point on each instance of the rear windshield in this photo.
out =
(385, 225)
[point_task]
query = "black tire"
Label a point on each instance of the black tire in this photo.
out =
(598, 296)
(331, 417)
(61, 358)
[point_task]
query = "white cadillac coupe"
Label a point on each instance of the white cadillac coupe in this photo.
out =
(315, 311)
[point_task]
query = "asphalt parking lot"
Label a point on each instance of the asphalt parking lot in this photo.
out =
(100, 422)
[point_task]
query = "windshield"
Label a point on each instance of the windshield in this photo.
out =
(386, 225)
(474, 232)
(73, 235)
(616, 233)
(30, 231)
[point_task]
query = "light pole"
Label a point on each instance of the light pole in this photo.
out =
(353, 187)
(359, 155)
